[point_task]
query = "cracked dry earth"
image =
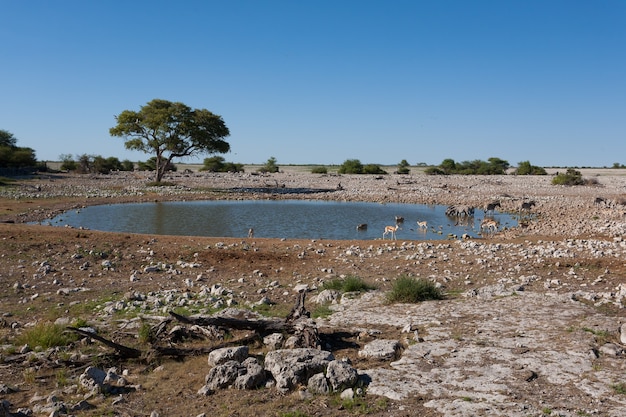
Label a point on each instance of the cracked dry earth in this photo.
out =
(530, 325)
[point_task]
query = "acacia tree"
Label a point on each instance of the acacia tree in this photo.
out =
(171, 130)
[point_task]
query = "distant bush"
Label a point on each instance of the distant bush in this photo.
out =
(411, 290)
(319, 170)
(270, 166)
(525, 168)
(403, 167)
(373, 169)
(68, 163)
(94, 164)
(128, 165)
(351, 166)
(150, 165)
(434, 171)
(218, 164)
(571, 177)
(494, 166)
(354, 166)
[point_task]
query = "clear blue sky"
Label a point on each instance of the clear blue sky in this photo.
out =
(327, 80)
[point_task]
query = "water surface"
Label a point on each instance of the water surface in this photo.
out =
(293, 219)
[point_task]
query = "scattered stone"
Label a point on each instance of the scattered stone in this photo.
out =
(221, 356)
(381, 349)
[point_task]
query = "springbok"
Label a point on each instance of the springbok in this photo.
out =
(489, 224)
(422, 224)
(392, 230)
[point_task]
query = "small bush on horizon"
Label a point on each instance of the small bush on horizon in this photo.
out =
(410, 290)
(351, 166)
(571, 177)
(525, 168)
(85, 164)
(219, 164)
(373, 169)
(403, 167)
(434, 171)
(270, 166)
(493, 166)
(319, 170)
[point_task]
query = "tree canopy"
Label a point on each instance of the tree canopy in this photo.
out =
(171, 130)
(13, 156)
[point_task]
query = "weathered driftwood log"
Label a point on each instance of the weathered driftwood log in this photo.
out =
(124, 351)
(260, 326)
(298, 324)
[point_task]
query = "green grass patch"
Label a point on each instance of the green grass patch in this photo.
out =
(411, 290)
(602, 336)
(272, 310)
(350, 283)
(46, 335)
(619, 388)
(321, 311)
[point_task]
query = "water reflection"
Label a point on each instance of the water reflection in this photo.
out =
(279, 219)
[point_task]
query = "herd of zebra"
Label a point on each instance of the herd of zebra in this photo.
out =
(488, 224)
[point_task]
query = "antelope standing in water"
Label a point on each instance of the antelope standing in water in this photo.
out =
(392, 230)
(490, 225)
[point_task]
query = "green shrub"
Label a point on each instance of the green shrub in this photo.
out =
(350, 283)
(270, 166)
(403, 167)
(351, 166)
(373, 169)
(434, 171)
(319, 170)
(571, 177)
(219, 164)
(493, 166)
(525, 168)
(411, 290)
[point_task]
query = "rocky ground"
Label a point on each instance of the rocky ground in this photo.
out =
(530, 325)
